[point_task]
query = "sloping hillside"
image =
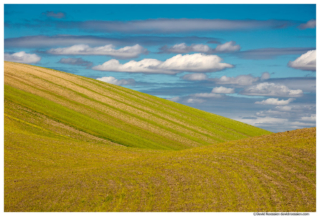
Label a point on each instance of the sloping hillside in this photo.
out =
(66, 141)
(45, 171)
(90, 109)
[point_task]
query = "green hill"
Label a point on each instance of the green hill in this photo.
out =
(90, 109)
(66, 149)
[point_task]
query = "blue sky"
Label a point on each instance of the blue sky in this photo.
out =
(252, 63)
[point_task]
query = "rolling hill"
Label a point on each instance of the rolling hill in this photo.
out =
(78, 144)
(92, 109)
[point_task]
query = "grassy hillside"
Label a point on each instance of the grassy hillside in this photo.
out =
(48, 172)
(66, 141)
(114, 114)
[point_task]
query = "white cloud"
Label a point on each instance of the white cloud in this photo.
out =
(183, 48)
(22, 57)
(264, 121)
(309, 118)
(306, 61)
(202, 48)
(222, 90)
(302, 124)
(195, 76)
(265, 76)
(195, 100)
(175, 99)
(115, 81)
(239, 80)
(207, 95)
(242, 80)
(284, 117)
(193, 63)
(284, 108)
(179, 48)
(292, 111)
(271, 122)
(272, 89)
(273, 113)
(215, 93)
(108, 50)
(143, 66)
(309, 24)
(228, 47)
(275, 101)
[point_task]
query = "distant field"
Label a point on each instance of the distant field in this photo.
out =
(78, 144)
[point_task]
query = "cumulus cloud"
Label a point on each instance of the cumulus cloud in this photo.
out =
(272, 89)
(191, 63)
(201, 48)
(183, 48)
(294, 116)
(264, 121)
(175, 99)
(296, 110)
(271, 122)
(282, 124)
(115, 81)
(242, 80)
(207, 95)
(57, 15)
(75, 61)
(275, 101)
(195, 100)
(309, 24)
(22, 57)
(273, 113)
(306, 61)
(309, 118)
(195, 76)
(222, 90)
(283, 108)
(227, 47)
(239, 80)
(108, 50)
(265, 76)
(215, 93)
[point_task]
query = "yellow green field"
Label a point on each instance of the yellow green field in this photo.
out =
(78, 144)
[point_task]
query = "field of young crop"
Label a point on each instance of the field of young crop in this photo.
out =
(114, 113)
(68, 147)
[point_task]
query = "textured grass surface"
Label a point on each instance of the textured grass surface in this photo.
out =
(114, 113)
(65, 150)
